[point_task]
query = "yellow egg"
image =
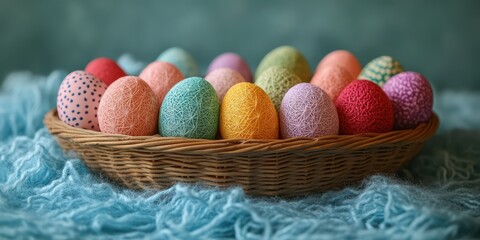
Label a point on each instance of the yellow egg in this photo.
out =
(248, 113)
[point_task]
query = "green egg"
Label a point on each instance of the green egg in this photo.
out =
(287, 57)
(276, 81)
(380, 69)
(190, 110)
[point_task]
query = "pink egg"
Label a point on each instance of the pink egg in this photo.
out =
(307, 111)
(223, 79)
(412, 98)
(78, 100)
(129, 107)
(233, 61)
(332, 79)
(342, 58)
(161, 77)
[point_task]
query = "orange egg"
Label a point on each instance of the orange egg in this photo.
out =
(332, 79)
(342, 58)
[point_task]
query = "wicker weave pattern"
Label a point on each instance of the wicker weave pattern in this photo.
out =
(262, 167)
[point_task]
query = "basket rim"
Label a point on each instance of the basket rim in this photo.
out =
(156, 142)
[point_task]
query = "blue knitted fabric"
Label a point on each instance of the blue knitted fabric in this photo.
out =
(48, 194)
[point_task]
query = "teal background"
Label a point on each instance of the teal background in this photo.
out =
(438, 38)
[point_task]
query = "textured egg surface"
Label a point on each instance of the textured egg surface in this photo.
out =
(276, 81)
(332, 79)
(363, 107)
(232, 61)
(182, 59)
(412, 98)
(78, 99)
(342, 58)
(105, 69)
(307, 111)
(129, 107)
(222, 79)
(190, 110)
(161, 77)
(248, 113)
(380, 69)
(287, 57)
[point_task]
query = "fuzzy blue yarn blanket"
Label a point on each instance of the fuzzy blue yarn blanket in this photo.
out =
(46, 193)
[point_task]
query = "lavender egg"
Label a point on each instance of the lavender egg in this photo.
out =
(412, 98)
(307, 111)
(232, 61)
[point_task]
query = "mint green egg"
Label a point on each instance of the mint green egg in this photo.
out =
(190, 110)
(276, 81)
(286, 57)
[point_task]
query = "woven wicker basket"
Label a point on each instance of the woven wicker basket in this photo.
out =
(262, 167)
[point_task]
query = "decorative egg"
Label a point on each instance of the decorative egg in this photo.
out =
(287, 57)
(129, 107)
(233, 61)
(307, 111)
(190, 110)
(342, 58)
(78, 99)
(412, 98)
(105, 69)
(332, 79)
(248, 113)
(223, 79)
(276, 81)
(363, 107)
(161, 77)
(380, 69)
(182, 59)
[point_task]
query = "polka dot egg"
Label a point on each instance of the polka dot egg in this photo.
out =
(78, 99)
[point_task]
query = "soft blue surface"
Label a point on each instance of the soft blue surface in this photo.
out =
(47, 194)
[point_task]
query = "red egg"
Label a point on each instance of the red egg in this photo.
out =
(363, 107)
(105, 69)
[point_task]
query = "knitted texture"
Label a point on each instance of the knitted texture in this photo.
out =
(307, 111)
(363, 107)
(182, 59)
(78, 99)
(232, 61)
(412, 98)
(129, 107)
(190, 110)
(332, 79)
(287, 57)
(380, 69)
(223, 79)
(48, 194)
(341, 58)
(276, 81)
(105, 69)
(248, 113)
(161, 77)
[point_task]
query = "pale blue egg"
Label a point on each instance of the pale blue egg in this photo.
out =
(182, 59)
